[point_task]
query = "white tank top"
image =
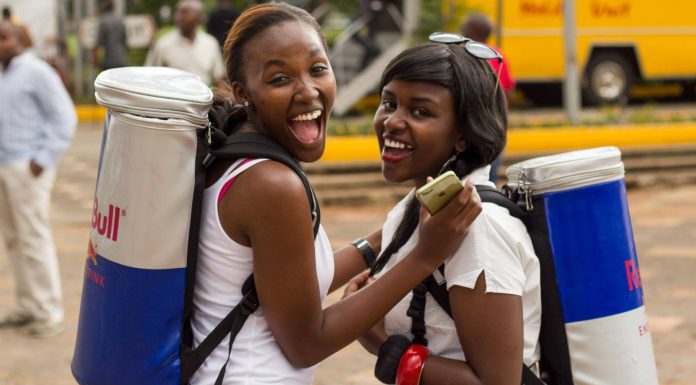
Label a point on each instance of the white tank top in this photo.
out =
(223, 266)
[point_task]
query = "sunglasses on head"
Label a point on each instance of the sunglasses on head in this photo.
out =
(473, 48)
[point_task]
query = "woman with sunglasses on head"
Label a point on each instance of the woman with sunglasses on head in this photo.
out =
(442, 110)
(256, 216)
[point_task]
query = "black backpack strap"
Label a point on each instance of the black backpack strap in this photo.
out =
(416, 310)
(493, 195)
(231, 325)
(439, 291)
(529, 377)
(202, 151)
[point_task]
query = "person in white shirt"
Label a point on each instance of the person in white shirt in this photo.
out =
(187, 47)
(441, 110)
(37, 124)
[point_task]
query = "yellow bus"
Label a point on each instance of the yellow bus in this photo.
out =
(619, 43)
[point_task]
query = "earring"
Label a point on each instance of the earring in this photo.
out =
(449, 161)
(246, 104)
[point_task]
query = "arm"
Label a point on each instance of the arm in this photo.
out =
(284, 263)
(491, 334)
(372, 339)
(349, 262)
(153, 58)
(59, 119)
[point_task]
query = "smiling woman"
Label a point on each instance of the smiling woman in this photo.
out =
(256, 215)
(442, 110)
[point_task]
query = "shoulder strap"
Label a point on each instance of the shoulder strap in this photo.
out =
(439, 290)
(493, 195)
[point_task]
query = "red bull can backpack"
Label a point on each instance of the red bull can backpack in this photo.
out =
(140, 268)
(594, 329)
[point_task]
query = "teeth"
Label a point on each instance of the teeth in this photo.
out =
(308, 116)
(395, 144)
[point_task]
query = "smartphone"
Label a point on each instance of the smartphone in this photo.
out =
(436, 194)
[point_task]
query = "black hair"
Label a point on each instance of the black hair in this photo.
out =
(226, 112)
(477, 26)
(481, 112)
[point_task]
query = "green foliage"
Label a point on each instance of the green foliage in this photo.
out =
(430, 20)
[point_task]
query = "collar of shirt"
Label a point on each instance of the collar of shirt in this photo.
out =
(16, 61)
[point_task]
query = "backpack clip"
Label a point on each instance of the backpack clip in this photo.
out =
(249, 304)
(209, 133)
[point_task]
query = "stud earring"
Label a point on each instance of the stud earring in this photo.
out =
(246, 104)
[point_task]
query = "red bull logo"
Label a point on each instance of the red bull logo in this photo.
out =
(107, 224)
(632, 275)
(92, 253)
(91, 274)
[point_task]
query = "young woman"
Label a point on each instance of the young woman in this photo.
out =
(257, 216)
(441, 110)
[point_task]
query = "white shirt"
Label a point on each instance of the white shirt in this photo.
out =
(37, 116)
(200, 56)
(498, 245)
(223, 266)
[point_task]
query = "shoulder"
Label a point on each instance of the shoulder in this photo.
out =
(168, 38)
(207, 38)
(273, 183)
(497, 244)
(39, 67)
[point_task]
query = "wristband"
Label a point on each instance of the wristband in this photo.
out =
(366, 251)
(411, 365)
(389, 356)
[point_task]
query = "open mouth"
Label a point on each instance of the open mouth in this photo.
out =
(307, 126)
(395, 150)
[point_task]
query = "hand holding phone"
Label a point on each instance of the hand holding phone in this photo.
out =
(437, 193)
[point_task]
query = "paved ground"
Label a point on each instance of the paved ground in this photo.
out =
(664, 221)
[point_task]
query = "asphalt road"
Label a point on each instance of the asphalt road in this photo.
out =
(664, 223)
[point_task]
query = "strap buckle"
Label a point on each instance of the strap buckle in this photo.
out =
(249, 304)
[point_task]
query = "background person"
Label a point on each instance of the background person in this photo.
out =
(257, 218)
(111, 37)
(436, 115)
(220, 20)
(187, 47)
(37, 123)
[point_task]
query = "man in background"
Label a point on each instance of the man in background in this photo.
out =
(12, 18)
(111, 37)
(37, 123)
(187, 47)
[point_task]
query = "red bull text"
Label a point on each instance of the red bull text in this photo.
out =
(107, 225)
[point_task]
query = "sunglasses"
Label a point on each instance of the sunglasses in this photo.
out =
(473, 48)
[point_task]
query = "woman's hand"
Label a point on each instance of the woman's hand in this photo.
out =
(357, 283)
(441, 234)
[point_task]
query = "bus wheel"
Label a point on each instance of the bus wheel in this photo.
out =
(608, 79)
